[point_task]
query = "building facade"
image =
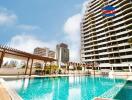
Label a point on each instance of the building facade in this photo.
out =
(62, 53)
(51, 54)
(45, 52)
(104, 40)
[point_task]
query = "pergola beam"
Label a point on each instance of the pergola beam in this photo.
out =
(24, 54)
(50, 67)
(7, 50)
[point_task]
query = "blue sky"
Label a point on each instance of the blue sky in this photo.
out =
(25, 24)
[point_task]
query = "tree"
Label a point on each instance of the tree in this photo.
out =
(23, 64)
(130, 42)
(38, 65)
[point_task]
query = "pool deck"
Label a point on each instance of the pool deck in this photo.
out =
(129, 78)
(53, 75)
(6, 93)
(3, 93)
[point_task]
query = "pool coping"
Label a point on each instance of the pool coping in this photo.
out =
(53, 75)
(97, 98)
(12, 93)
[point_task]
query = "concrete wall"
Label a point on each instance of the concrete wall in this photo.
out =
(14, 71)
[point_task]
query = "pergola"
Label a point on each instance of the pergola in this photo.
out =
(9, 52)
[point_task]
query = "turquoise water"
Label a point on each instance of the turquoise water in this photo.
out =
(67, 88)
(126, 92)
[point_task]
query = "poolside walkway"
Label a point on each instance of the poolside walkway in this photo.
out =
(52, 75)
(3, 93)
(6, 93)
(129, 78)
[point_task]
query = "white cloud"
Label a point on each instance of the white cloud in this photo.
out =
(28, 27)
(28, 43)
(72, 25)
(7, 17)
(84, 5)
(72, 30)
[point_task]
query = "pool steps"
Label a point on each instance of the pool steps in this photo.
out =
(111, 93)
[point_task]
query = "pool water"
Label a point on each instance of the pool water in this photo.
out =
(67, 88)
(126, 92)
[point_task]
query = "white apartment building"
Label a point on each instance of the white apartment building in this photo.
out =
(104, 40)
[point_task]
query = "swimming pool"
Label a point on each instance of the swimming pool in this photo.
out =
(126, 92)
(67, 88)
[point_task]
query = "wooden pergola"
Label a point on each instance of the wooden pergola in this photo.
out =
(6, 51)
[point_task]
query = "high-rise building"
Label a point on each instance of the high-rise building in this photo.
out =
(62, 53)
(104, 40)
(45, 52)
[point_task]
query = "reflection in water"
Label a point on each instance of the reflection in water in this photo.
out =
(63, 88)
(15, 84)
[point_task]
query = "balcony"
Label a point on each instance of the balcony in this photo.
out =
(126, 56)
(125, 50)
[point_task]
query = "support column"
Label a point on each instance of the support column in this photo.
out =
(50, 67)
(98, 68)
(94, 68)
(76, 66)
(44, 66)
(59, 59)
(112, 68)
(68, 67)
(31, 67)
(1, 59)
(27, 65)
(130, 70)
(84, 67)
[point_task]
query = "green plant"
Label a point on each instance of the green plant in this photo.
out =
(79, 68)
(130, 41)
(23, 66)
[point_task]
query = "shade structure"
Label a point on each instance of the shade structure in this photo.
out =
(9, 52)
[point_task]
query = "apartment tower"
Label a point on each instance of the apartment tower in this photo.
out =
(62, 53)
(104, 40)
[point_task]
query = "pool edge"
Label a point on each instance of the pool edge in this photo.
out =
(12, 93)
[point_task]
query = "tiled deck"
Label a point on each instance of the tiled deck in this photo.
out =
(129, 78)
(3, 93)
(6, 93)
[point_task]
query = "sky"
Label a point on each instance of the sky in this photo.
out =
(26, 24)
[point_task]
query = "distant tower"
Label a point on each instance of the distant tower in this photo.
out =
(62, 53)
